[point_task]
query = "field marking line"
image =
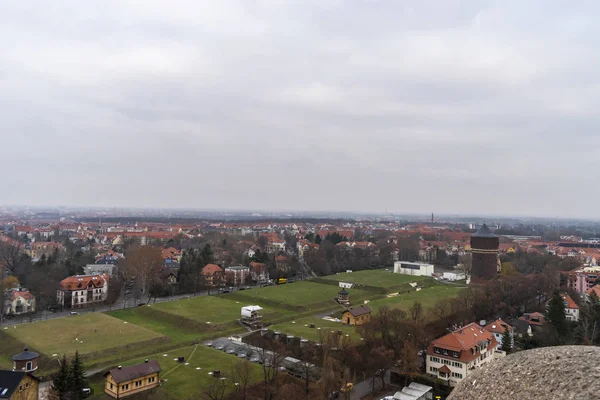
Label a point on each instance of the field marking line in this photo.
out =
(179, 365)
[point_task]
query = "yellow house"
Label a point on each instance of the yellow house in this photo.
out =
(356, 315)
(122, 382)
(18, 385)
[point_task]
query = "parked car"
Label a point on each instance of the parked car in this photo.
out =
(141, 304)
(74, 313)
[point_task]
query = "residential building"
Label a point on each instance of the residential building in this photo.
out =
(19, 301)
(535, 320)
(497, 328)
(212, 274)
(236, 275)
(455, 355)
(83, 290)
(356, 315)
(413, 268)
(124, 381)
(259, 272)
(37, 250)
(571, 308)
(595, 290)
(18, 385)
(580, 280)
(521, 328)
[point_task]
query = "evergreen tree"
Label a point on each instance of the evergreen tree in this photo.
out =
(207, 255)
(318, 239)
(78, 381)
(61, 381)
(556, 314)
(506, 341)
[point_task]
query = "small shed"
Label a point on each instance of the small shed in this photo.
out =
(356, 315)
(343, 297)
(25, 361)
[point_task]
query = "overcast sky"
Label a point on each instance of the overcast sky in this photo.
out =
(487, 107)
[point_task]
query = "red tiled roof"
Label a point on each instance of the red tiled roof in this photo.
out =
(211, 269)
(80, 282)
(595, 289)
(535, 318)
(498, 326)
(26, 295)
(570, 303)
(445, 369)
(463, 340)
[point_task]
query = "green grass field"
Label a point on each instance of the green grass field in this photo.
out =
(86, 333)
(186, 381)
(427, 297)
(379, 278)
(300, 330)
(299, 294)
(213, 309)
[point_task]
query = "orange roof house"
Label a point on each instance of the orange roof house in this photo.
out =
(453, 356)
(211, 269)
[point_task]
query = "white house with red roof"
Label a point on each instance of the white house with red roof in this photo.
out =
(454, 356)
(82, 290)
(571, 308)
(19, 301)
(497, 328)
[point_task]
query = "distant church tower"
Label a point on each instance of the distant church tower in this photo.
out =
(484, 255)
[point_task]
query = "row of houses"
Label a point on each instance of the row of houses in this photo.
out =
(464, 349)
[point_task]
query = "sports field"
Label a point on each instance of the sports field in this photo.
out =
(86, 333)
(427, 297)
(302, 294)
(378, 277)
(208, 309)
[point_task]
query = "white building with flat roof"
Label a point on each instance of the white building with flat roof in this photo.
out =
(413, 268)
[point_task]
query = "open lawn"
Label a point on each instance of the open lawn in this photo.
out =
(302, 295)
(87, 333)
(187, 381)
(427, 297)
(213, 309)
(378, 277)
(298, 328)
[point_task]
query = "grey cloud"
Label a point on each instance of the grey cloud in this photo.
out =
(414, 106)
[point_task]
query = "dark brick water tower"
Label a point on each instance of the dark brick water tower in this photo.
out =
(484, 255)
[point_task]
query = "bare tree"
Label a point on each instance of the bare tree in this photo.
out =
(10, 254)
(271, 355)
(216, 389)
(465, 265)
(143, 263)
(242, 377)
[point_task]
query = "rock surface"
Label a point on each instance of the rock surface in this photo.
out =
(565, 372)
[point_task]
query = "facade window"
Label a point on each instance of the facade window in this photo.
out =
(433, 369)
(111, 386)
(457, 375)
(28, 366)
(455, 354)
(437, 350)
(434, 359)
(456, 364)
